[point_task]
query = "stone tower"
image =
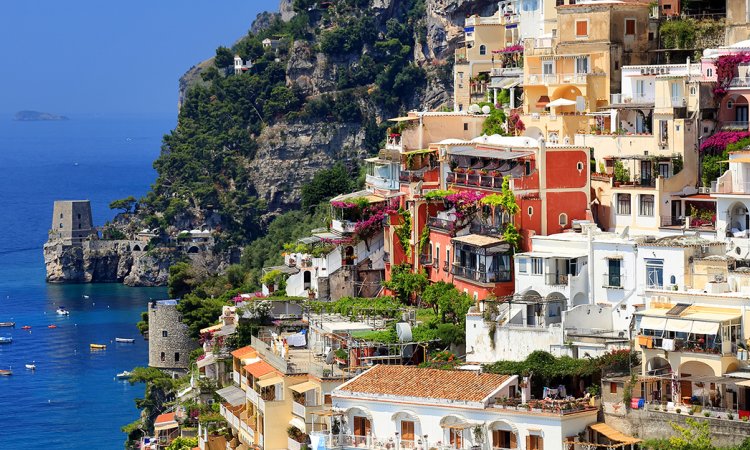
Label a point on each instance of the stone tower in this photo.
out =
(169, 343)
(71, 221)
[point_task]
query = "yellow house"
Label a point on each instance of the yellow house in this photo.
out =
(573, 72)
(474, 60)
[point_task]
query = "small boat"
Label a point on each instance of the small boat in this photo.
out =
(85, 296)
(125, 340)
(98, 346)
(124, 375)
(26, 327)
(62, 311)
(51, 326)
(5, 340)
(7, 324)
(5, 372)
(31, 366)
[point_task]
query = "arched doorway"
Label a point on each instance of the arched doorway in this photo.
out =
(349, 256)
(454, 427)
(738, 218)
(409, 427)
(694, 376)
(658, 366)
(306, 279)
(555, 307)
(193, 249)
(136, 248)
(361, 421)
(534, 309)
(503, 435)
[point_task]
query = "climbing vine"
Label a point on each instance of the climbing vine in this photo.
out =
(424, 239)
(403, 231)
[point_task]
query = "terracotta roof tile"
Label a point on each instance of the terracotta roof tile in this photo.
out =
(164, 418)
(244, 352)
(411, 381)
(258, 369)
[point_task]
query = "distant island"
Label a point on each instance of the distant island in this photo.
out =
(32, 116)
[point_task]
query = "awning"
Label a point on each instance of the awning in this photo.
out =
(299, 423)
(480, 240)
(403, 119)
(745, 383)
(369, 196)
(304, 387)
(543, 100)
(270, 381)
(653, 323)
(259, 369)
(561, 102)
(232, 394)
(700, 327)
(208, 359)
(614, 435)
(679, 325)
(165, 426)
(487, 153)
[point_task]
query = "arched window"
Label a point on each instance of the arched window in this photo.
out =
(163, 356)
(730, 104)
(579, 166)
(563, 220)
(531, 210)
(482, 49)
(672, 280)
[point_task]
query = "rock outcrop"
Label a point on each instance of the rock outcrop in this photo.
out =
(96, 261)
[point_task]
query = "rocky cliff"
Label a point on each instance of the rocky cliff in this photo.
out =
(107, 262)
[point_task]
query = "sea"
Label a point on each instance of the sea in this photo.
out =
(72, 400)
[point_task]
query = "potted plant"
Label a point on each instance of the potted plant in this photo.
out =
(311, 293)
(341, 355)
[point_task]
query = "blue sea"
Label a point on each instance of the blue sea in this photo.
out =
(72, 400)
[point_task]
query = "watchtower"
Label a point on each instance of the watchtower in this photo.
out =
(71, 221)
(169, 343)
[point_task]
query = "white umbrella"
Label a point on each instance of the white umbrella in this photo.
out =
(561, 102)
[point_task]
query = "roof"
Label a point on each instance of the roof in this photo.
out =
(244, 352)
(679, 241)
(372, 198)
(165, 422)
(488, 153)
(614, 435)
(412, 381)
(258, 369)
(478, 240)
(508, 141)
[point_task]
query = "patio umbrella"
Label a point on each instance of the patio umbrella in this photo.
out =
(561, 102)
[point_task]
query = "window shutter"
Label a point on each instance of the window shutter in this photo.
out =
(513, 441)
(540, 443)
(528, 442)
(581, 28)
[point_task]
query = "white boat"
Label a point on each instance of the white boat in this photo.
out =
(6, 340)
(125, 340)
(31, 366)
(62, 311)
(124, 375)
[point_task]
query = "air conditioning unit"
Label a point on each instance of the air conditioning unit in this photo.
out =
(654, 71)
(666, 70)
(662, 70)
(644, 71)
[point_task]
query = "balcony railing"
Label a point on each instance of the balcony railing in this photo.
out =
(737, 126)
(558, 78)
(293, 445)
(476, 179)
(620, 99)
(685, 345)
(739, 82)
(725, 187)
(506, 71)
(343, 226)
(425, 260)
(486, 229)
(442, 224)
(557, 279)
(613, 281)
(298, 409)
(394, 143)
(679, 102)
(493, 276)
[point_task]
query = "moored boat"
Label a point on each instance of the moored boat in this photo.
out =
(5, 372)
(31, 366)
(97, 346)
(62, 311)
(5, 340)
(124, 375)
(7, 324)
(125, 340)
(26, 327)
(51, 326)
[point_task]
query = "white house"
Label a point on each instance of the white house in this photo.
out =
(406, 407)
(241, 66)
(732, 194)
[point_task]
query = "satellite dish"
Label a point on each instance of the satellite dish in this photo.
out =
(486, 109)
(330, 357)
(403, 332)
(474, 109)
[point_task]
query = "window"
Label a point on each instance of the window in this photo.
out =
(503, 439)
(664, 170)
(640, 88)
(176, 357)
(623, 204)
(537, 266)
(530, 210)
(629, 27)
(447, 259)
(646, 207)
(164, 333)
(548, 67)
(582, 28)
(61, 225)
(79, 217)
(709, 72)
(554, 310)
(563, 220)
(650, 35)
(582, 65)
(730, 104)
(579, 166)
(466, 127)
(527, 166)
(456, 437)
(673, 280)
(692, 90)
(612, 388)
(482, 49)
(163, 356)
(613, 278)
(61, 215)
(437, 257)
(534, 443)
(523, 265)
(655, 273)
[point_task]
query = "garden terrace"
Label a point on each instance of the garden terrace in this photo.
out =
(485, 168)
(482, 259)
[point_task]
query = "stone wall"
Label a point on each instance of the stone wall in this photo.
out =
(656, 425)
(169, 342)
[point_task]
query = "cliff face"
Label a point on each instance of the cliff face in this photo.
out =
(106, 262)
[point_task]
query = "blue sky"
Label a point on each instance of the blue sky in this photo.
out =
(110, 57)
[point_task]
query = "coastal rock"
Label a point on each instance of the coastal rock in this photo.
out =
(150, 268)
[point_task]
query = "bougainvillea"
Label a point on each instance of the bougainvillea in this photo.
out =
(726, 70)
(515, 125)
(716, 143)
(518, 48)
(343, 205)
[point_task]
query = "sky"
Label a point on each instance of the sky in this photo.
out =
(110, 56)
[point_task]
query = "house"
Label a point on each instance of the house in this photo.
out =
(572, 73)
(732, 193)
(241, 66)
(410, 407)
(166, 429)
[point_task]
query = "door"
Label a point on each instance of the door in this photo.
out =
(501, 439)
(740, 113)
(646, 173)
(456, 438)
(676, 211)
(361, 426)
(614, 273)
(686, 389)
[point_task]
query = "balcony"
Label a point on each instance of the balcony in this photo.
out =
(253, 397)
(441, 224)
(557, 279)
(487, 229)
(476, 179)
(558, 78)
(620, 99)
(236, 377)
(706, 346)
(735, 126)
(481, 276)
(379, 182)
(343, 226)
(739, 82)
(412, 176)
(293, 445)
(679, 102)
(506, 72)
(539, 46)
(729, 187)
(394, 142)
(425, 260)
